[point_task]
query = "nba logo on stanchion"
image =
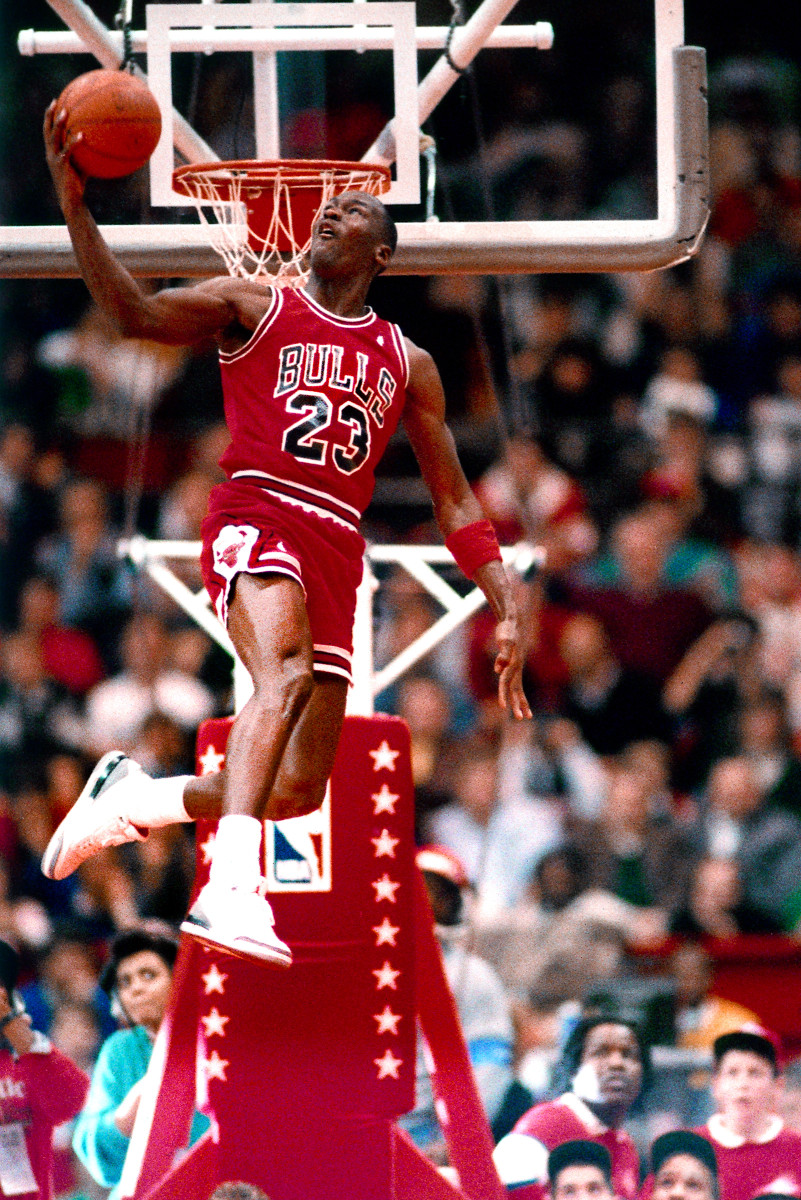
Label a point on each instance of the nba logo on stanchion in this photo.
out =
(298, 852)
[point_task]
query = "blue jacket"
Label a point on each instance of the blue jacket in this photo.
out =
(122, 1062)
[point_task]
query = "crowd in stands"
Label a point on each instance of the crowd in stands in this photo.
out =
(651, 443)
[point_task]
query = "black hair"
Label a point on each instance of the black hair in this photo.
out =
(156, 936)
(579, 1154)
(682, 1141)
(574, 1046)
(744, 1039)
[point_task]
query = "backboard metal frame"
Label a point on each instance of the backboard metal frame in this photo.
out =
(397, 16)
(460, 247)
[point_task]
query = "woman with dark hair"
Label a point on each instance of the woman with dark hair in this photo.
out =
(604, 1064)
(138, 978)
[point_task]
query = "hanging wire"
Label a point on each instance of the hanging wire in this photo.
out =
(123, 22)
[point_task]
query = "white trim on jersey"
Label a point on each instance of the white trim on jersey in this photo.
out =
(400, 346)
(330, 669)
(334, 650)
(264, 324)
(301, 487)
(366, 318)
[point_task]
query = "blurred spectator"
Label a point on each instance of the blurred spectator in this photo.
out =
(638, 855)
(604, 1063)
(163, 748)
(66, 977)
(754, 1151)
(93, 585)
(715, 905)
(37, 716)
(764, 739)
(695, 559)
(580, 1170)
(715, 678)
(117, 708)
(69, 656)
(564, 935)
(650, 625)
(138, 977)
(611, 705)
(161, 870)
(682, 1164)
(765, 843)
(426, 704)
(790, 1096)
(498, 839)
(481, 1002)
(24, 515)
(526, 496)
(701, 1016)
(41, 1089)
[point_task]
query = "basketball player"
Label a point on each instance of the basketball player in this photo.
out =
(314, 385)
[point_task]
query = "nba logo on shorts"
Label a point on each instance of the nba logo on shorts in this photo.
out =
(298, 852)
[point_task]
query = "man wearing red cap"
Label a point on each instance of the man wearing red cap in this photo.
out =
(754, 1150)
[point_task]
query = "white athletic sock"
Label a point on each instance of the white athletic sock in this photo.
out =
(159, 802)
(236, 857)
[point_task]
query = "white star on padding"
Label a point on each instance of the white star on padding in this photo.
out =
(210, 761)
(215, 1067)
(385, 888)
(385, 844)
(387, 1021)
(384, 758)
(384, 801)
(386, 977)
(207, 849)
(388, 1065)
(214, 980)
(385, 933)
(214, 1023)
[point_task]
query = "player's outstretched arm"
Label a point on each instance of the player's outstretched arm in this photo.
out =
(457, 509)
(179, 316)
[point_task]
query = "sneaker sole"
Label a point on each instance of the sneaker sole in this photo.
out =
(94, 785)
(259, 952)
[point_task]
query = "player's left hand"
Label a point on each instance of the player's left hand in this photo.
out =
(509, 669)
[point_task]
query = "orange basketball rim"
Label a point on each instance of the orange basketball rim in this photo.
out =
(264, 211)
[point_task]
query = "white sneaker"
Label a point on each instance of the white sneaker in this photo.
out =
(96, 819)
(238, 921)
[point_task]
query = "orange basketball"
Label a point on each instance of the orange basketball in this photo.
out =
(118, 117)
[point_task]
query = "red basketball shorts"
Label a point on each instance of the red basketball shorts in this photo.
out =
(247, 531)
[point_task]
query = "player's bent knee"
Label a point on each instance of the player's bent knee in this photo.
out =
(288, 693)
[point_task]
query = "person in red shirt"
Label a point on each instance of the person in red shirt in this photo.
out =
(39, 1088)
(606, 1061)
(755, 1152)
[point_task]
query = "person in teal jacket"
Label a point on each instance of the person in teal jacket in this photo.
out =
(138, 977)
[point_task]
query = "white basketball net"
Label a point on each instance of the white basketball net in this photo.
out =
(231, 197)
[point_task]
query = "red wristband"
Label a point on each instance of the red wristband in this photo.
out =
(473, 546)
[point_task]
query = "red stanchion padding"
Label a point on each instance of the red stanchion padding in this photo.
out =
(334, 1037)
(306, 1069)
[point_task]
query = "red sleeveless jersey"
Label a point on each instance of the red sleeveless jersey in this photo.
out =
(311, 401)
